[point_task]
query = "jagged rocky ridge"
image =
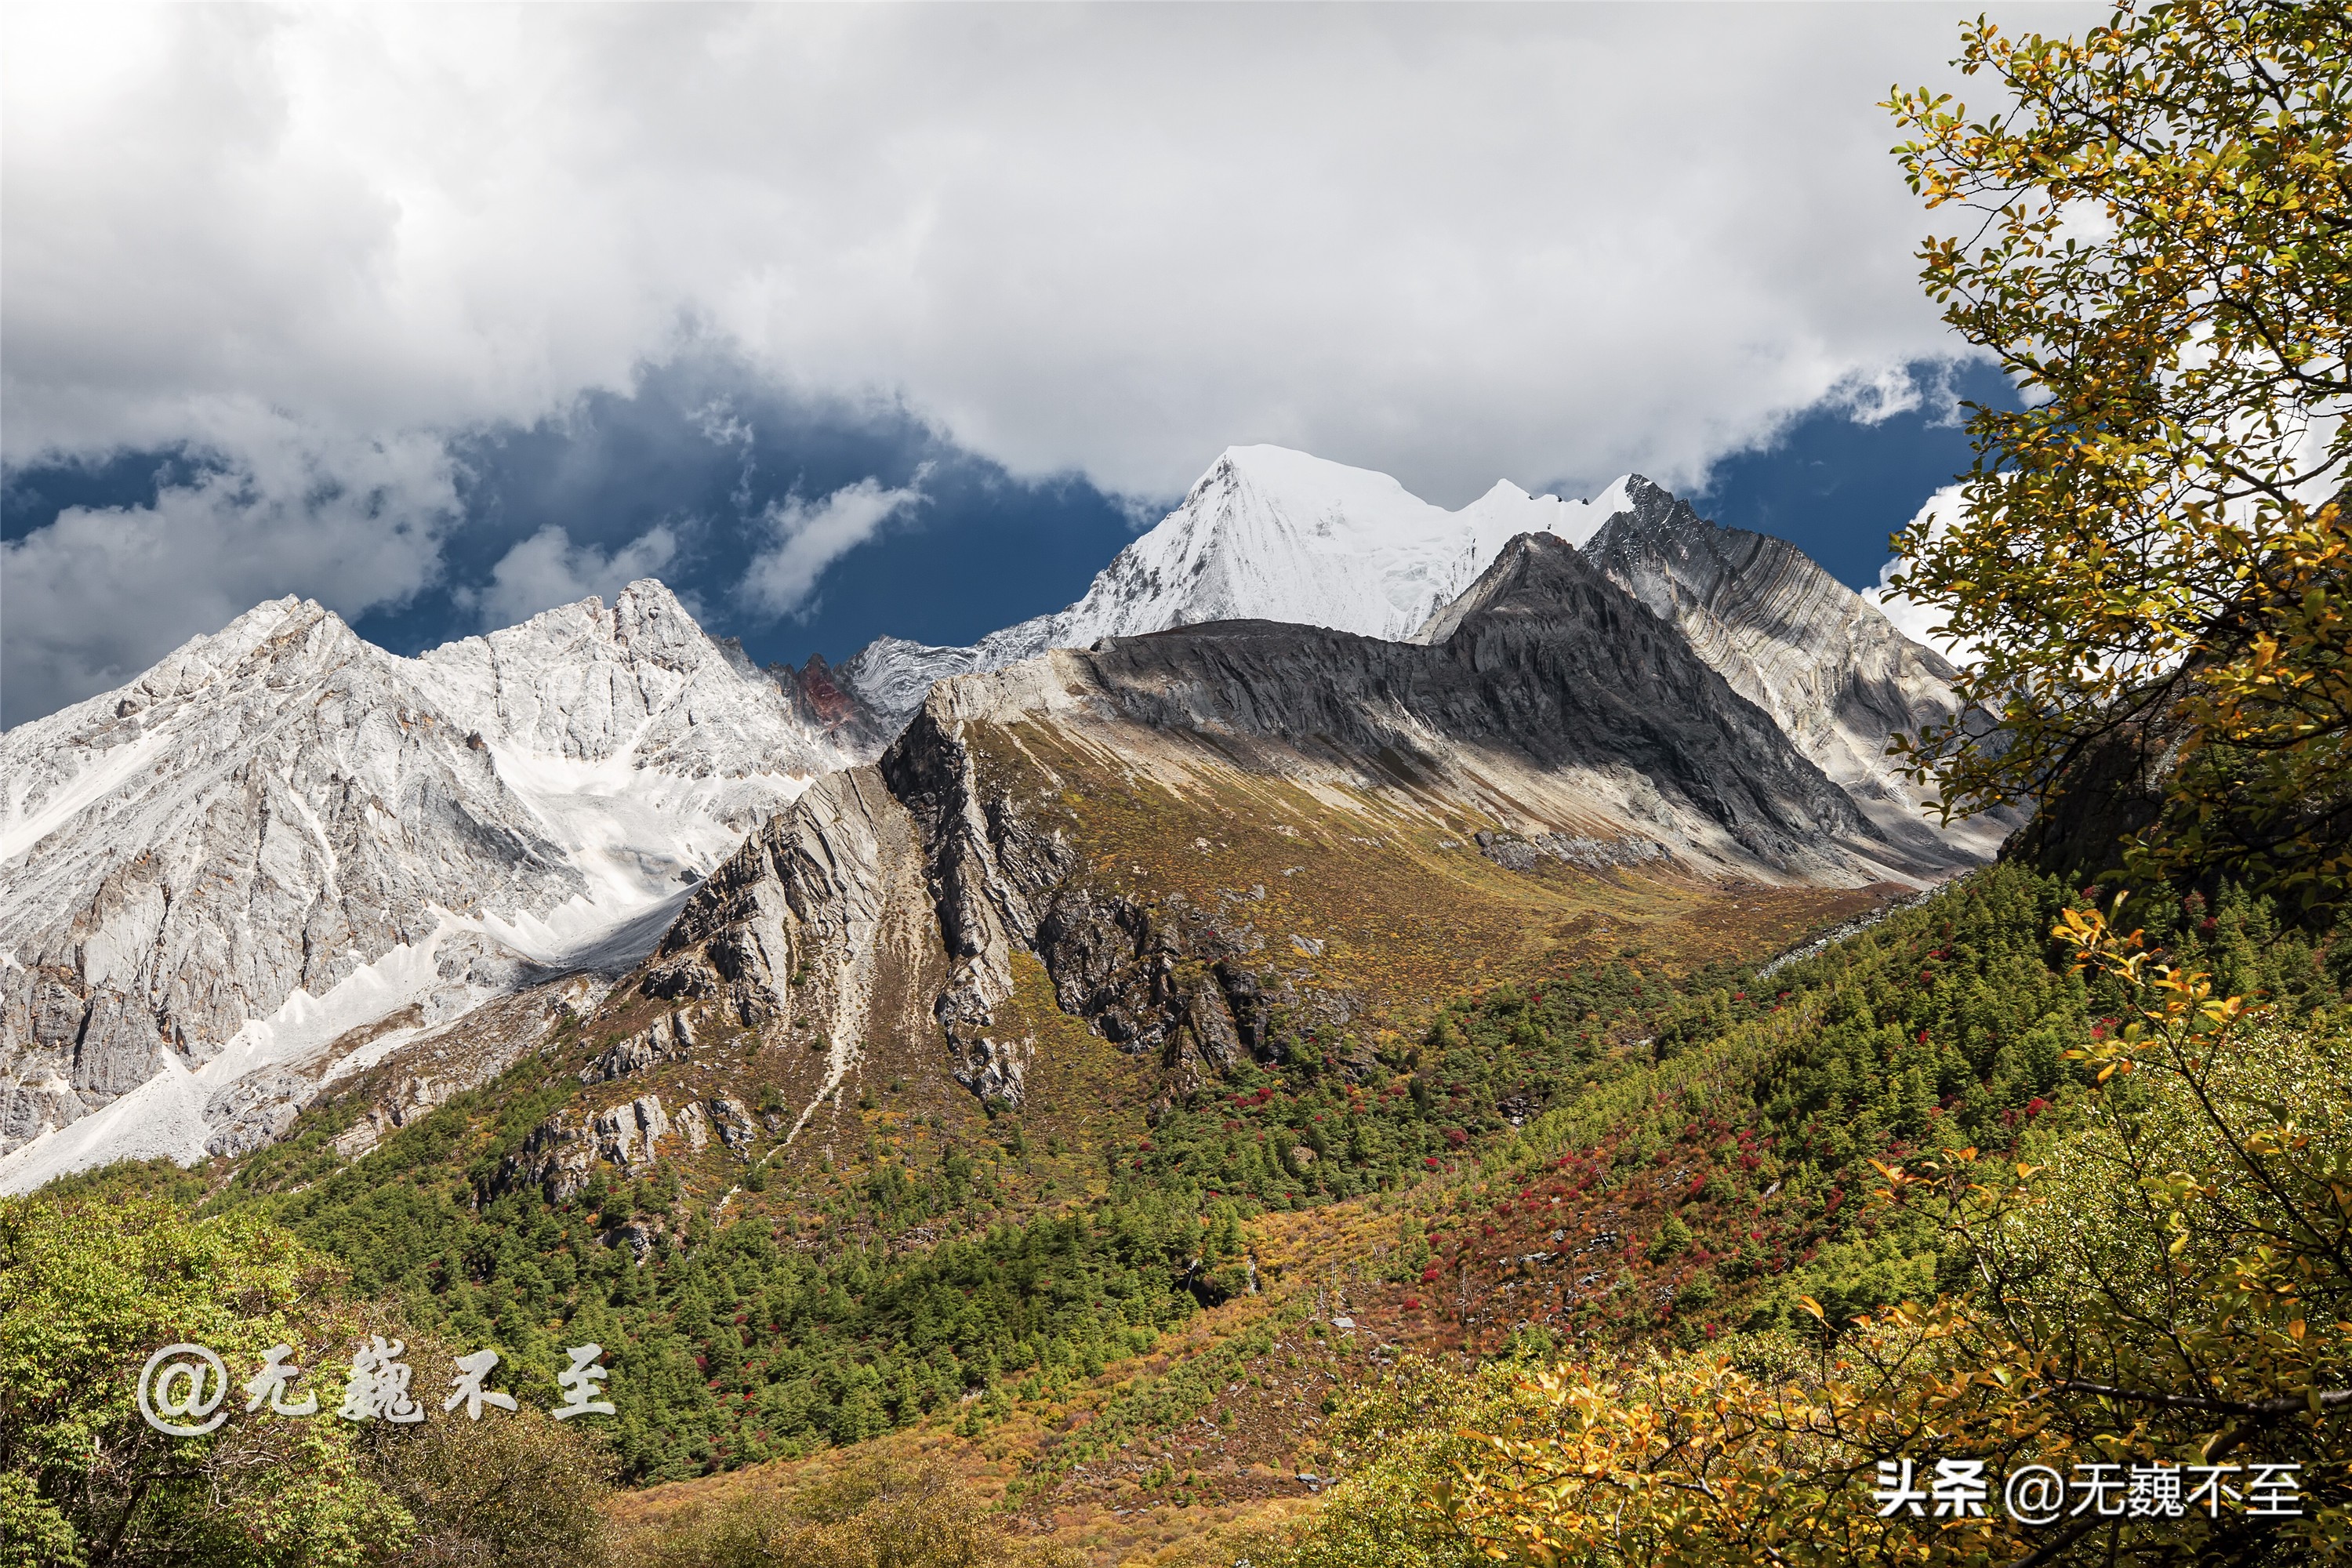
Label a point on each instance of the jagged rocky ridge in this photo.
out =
(1265, 535)
(1554, 700)
(282, 834)
(1271, 534)
(1833, 671)
(338, 838)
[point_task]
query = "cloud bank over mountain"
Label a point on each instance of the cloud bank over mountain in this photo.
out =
(332, 251)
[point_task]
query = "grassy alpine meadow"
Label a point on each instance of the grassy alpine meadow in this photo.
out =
(1620, 1166)
(1146, 1331)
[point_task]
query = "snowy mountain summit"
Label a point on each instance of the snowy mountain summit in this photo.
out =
(282, 834)
(283, 853)
(1265, 535)
(1276, 535)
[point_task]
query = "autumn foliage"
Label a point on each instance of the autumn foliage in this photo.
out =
(2152, 557)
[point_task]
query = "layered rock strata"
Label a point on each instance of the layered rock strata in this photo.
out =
(1833, 673)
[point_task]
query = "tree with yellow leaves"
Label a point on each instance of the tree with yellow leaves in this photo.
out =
(2153, 562)
(2168, 1292)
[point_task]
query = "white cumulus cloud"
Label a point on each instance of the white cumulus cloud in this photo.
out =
(92, 599)
(1919, 622)
(547, 570)
(811, 535)
(1450, 242)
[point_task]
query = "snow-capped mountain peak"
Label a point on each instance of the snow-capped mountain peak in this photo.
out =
(1267, 533)
(281, 833)
(1271, 534)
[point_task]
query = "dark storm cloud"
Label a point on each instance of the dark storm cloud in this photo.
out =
(334, 251)
(696, 474)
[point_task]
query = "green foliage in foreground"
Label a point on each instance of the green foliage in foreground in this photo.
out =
(1741, 1157)
(89, 1288)
(1760, 1104)
(2160, 1279)
(733, 1343)
(1483, 1068)
(86, 1291)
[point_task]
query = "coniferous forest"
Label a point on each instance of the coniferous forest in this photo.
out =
(1639, 1222)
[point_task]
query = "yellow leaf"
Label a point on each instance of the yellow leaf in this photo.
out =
(1810, 1305)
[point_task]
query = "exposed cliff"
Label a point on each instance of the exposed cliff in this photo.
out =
(282, 834)
(1558, 721)
(1267, 533)
(818, 933)
(1833, 673)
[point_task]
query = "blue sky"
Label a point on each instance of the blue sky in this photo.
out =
(897, 318)
(702, 451)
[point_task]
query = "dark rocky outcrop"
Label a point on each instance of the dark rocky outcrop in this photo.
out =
(2112, 792)
(773, 932)
(1545, 665)
(831, 706)
(1833, 673)
(1544, 658)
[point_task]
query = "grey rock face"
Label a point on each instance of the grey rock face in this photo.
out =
(819, 928)
(1833, 673)
(628, 1134)
(772, 932)
(255, 1110)
(1579, 849)
(1549, 675)
(266, 811)
(563, 1152)
(985, 873)
(37, 1105)
(693, 1124)
(734, 1119)
(667, 1038)
(1547, 660)
(273, 809)
(1266, 534)
(557, 1156)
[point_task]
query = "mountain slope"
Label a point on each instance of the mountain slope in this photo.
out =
(1276, 535)
(281, 833)
(1265, 535)
(1134, 821)
(1833, 671)
(1104, 938)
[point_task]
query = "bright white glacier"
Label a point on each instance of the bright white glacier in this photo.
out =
(1266, 534)
(282, 832)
